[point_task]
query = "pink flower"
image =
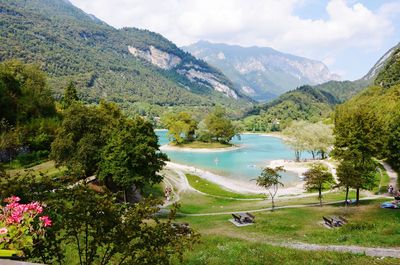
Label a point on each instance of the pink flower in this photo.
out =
(3, 231)
(46, 220)
(12, 199)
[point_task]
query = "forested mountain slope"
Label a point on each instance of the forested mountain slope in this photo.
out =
(318, 102)
(128, 66)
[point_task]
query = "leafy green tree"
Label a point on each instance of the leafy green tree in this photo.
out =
(316, 138)
(24, 94)
(80, 139)
(317, 177)
(295, 138)
(347, 174)
(70, 95)
(219, 127)
(181, 126)
(131, 157)
(270, 180)
(393, 143)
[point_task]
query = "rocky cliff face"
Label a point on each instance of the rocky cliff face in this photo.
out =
(157, 57)
(189, 68)
(374, 71)
(262, 73)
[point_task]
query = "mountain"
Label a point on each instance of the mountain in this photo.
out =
(133, 67)
(261, 73)
(316, 102)
(380, 64)
(390, 73)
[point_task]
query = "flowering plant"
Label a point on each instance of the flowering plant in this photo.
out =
(21, 224)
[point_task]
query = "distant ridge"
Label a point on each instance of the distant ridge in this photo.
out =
(261, 72)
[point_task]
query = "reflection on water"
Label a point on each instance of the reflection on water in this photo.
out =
(244, 163)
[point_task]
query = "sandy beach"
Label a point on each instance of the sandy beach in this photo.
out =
(168, 147)
(234, 184)
(243, 186)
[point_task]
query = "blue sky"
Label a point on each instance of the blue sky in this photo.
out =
(354, 62)
(349, 36)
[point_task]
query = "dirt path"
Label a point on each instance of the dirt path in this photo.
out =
(392, 175)
(368, 251)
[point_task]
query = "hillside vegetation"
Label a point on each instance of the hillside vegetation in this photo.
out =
(303, 103)
(69, 44)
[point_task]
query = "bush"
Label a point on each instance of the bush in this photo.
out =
(33, 158)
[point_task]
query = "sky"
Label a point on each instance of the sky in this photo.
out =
(349, 36)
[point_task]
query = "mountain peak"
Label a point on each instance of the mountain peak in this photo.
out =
(262, 73)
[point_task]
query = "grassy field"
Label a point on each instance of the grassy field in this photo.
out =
(216, 250)
(384, 180)
(368, 225)
(193, 203)
(213, 189)
(208, 145)
(47, 167)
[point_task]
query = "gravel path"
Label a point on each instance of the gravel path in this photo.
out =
(375, 252)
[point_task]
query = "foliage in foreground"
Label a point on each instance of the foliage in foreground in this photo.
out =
(122, 152)
(96, 228)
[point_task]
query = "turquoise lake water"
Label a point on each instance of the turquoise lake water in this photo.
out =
(242, 164)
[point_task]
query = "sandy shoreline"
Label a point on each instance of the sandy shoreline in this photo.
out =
(168, 147)
(276, 135)
(241, 186)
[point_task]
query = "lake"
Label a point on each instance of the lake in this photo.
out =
(241, 164)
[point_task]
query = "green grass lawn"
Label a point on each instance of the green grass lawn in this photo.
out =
(211, 188)
(368, 225)
(192, 202)
(215, 250)
(198, 144)
(47, 167)
(384, 180)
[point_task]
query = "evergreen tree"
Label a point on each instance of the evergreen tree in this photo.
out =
(70, 95)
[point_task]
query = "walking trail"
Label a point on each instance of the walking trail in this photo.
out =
(393, 176)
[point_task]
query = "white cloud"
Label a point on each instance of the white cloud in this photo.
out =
(253, 22)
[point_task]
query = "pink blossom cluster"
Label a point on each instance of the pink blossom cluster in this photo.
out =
(15, 212)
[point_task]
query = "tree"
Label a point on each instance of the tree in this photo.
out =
(219, 127)
(270, 180)
(317, 177)
(295, 138)
(181, 126)
(131, 157)
(346, 176)
(357, 140)
(315, 138)
(70, 95)
(80, 139)
(24, 94)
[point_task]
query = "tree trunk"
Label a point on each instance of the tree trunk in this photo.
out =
(358, 196)
(297, 155)
(313, 155)
(320, 196)
(273, 204)
(347, 196)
